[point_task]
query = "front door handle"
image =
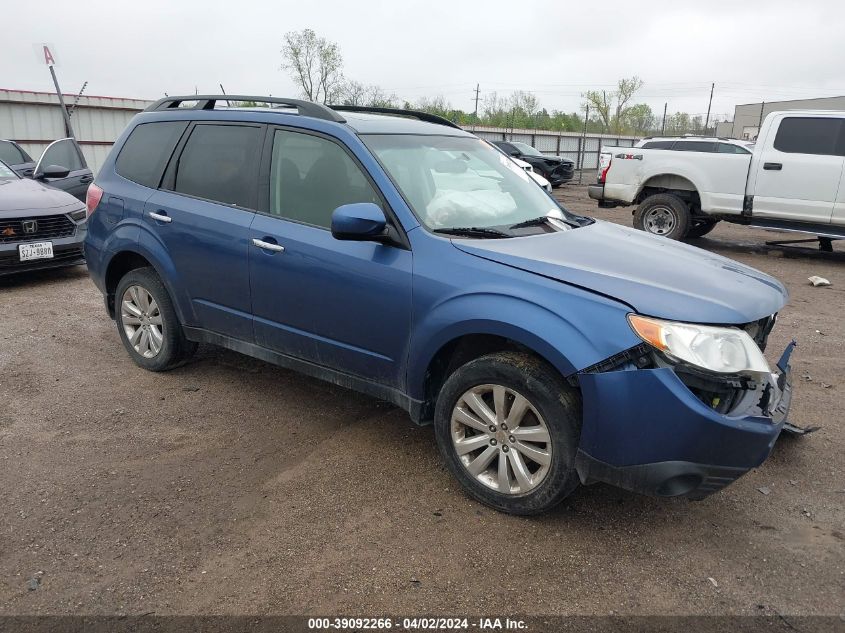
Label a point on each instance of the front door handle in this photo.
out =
(773, 166)
(268, 246)
(86, 179)
(160, 217)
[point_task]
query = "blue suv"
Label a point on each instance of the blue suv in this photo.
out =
(393, 253)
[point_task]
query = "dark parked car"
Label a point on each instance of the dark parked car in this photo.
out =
(40, 227)
(62, 153)
(555, 169)
(405, 258)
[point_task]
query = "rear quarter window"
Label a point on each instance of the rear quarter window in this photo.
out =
(810, 135)
(145, 153)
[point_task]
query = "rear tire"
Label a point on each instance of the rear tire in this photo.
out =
(663, 214)
(527, 467)
(147, 322)
(701, 228)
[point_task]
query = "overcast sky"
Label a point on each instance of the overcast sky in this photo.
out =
(753, 49)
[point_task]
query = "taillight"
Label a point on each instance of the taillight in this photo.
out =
(604, 166)
(93, 197)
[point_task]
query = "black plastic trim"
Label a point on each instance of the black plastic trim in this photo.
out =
(207, 102)
(339, 378)
(659, 479)
(414, 114)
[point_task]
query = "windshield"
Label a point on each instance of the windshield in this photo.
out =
(453, 182)
(526, 149)
(6, 172)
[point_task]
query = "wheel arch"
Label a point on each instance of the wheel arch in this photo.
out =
(672, 183)
(128, 259)
(445, 350)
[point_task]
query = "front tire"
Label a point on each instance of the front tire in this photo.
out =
(147, 322)
(701, 228)
(663, 214)
(508, 425)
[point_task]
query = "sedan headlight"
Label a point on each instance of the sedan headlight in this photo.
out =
(723, 350)
(78, 215)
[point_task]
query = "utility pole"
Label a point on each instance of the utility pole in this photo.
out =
(583, 145)
(68, 128)
(709, 103)
(477, 92)
(663, 127)
(760, 121)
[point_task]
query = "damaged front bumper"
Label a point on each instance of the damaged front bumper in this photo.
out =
(646, 430)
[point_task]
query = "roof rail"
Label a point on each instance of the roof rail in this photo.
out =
(414, 114)
(207, 102)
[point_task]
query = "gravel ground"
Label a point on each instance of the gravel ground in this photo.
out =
(230, 486)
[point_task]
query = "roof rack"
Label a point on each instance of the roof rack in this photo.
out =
(207, 102)
(415, 114)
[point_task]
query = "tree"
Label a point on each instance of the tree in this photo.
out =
(315, 64)
(639, 120)
(625, 90)
(598, 102)
(601, 101)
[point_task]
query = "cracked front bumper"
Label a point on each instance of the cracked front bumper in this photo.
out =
(645, 431)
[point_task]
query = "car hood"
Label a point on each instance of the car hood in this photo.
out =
(654, 275)
(33, 198)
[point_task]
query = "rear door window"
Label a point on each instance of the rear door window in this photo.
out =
(658, 145)
(219, 163)
(145, 153)
(810, 135)
(694, 146)
(728, 148)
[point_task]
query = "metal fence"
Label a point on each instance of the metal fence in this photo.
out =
(582, 149)
(34, 120)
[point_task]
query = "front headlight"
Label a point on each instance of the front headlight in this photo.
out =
(723, 350)
(78, 215)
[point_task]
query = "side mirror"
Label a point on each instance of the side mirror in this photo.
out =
(360, 222)
(52, 171)
(516, 153)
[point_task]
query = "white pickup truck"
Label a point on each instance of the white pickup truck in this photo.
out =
(791, 179)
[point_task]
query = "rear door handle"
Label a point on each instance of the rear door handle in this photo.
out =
(160, 217)
(773, 166)
(268, 246)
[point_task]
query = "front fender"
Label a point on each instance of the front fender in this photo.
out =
(569, 343)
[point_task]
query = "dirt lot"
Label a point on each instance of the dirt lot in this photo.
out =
(231, 486)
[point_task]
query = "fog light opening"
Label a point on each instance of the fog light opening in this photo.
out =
(679, 485)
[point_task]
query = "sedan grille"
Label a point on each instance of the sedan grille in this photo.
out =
(37, 228)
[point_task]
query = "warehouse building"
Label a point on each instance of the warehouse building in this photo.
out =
(34, 120)
(749, 116)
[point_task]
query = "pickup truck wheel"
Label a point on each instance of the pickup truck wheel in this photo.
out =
(147, 322)
(663, 214)
(507, 425)
(701, 228)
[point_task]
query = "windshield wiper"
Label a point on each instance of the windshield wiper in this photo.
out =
(538, 221)
(472, 231)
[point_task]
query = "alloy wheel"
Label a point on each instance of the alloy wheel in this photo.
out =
(141, 320)
(501, 439)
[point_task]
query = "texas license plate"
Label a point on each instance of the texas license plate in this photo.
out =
(35, 250)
